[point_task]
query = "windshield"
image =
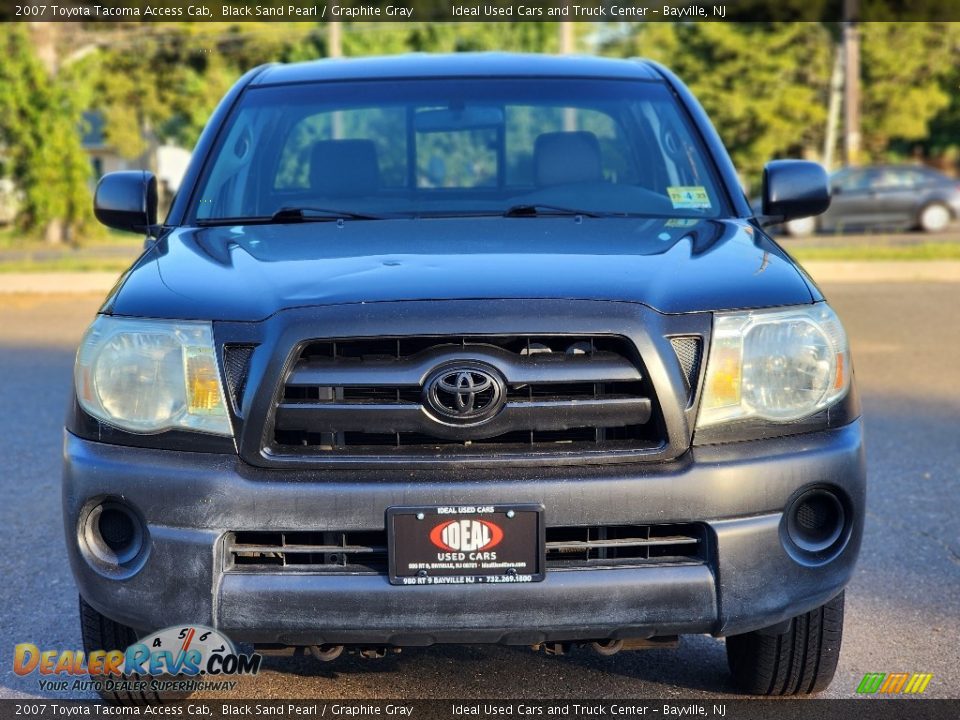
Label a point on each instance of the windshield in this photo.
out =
(420, 148)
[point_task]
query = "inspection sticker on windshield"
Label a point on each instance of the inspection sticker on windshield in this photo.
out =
(689, 197)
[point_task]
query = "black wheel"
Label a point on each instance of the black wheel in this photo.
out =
(797, 661)
(101, 633)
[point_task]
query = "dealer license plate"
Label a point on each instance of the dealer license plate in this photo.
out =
(463, 544)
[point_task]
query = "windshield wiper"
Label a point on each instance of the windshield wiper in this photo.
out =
(535, 209)
(316, 214)
(289, 215)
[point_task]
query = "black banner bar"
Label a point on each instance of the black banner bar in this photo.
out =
(865, 708)
(610, 11)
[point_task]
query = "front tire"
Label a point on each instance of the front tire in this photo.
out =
(101, 633)
(798, 661)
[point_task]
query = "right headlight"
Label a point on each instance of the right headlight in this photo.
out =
(778, 365)
(148, 376)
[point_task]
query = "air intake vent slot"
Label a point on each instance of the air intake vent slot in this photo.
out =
(612, 545)
(236, 362)
(358, 552)
(688, 351)
(354, 552)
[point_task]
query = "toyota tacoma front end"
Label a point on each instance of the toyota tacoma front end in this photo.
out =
(481, 348)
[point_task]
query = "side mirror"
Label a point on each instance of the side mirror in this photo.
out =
(794, 189)
(127, 200)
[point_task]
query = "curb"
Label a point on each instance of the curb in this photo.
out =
(877, 271)
(57, 283)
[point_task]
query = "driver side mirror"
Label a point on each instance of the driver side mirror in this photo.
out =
(794, 189)
(127, 201)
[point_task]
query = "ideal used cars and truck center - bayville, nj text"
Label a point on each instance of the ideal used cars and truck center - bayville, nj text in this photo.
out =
(334, 11)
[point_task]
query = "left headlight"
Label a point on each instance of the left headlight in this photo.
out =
(778, 366)
(147, 376)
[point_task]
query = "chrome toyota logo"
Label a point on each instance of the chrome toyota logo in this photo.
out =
(465, 393)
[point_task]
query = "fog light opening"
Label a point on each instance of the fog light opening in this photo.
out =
(816, 521)
(113, 534)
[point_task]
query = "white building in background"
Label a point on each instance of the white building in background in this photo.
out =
(172, 161)
(9, 201)
(169, 161)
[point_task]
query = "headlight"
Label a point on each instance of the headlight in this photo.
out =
(774, 365)
(147, 376)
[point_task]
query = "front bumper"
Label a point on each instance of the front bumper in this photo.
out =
(190, 500)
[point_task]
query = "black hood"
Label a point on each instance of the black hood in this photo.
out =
(249, 272)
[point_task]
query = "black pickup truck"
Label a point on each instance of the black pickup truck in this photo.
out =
(467, 349)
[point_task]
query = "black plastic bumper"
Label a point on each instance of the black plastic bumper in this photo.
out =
(189, 500)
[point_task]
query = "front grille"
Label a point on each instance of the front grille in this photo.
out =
(373, 397)
(365, 552)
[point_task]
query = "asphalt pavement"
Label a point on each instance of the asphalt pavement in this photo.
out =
(903, 606)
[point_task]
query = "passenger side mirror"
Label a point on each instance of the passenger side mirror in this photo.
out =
(127, 200)
(794, 189)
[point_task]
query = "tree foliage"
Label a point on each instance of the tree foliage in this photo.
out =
(764, 85)
(168, 77)
(906, 68)
(40, 142)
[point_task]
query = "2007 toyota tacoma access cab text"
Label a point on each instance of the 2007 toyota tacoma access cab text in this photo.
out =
(467, 349)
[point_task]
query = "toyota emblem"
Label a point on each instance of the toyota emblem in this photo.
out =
(464, 394)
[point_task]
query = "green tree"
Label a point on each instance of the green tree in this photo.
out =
(151, 83)
(385, 39)
(164, 79)
(764, 85)
(40, 140)
(907, 69)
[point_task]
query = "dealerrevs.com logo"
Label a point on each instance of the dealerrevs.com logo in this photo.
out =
(170, 660)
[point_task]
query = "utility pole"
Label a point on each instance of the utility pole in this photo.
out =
(335, 50)
(833, 111)
(566, 48)
(851, 81)
(45, 36)
(566, 37)
(334, 37)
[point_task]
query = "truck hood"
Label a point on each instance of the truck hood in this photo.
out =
(249, 272)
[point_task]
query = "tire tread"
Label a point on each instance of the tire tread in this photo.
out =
(101, 633)
(799, 661)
